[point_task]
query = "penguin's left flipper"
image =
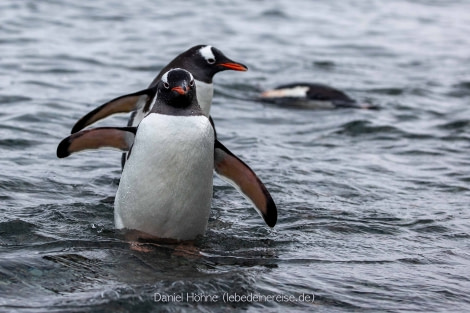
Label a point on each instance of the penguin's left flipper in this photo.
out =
(242, 177)
(120, 138)
(122, 104)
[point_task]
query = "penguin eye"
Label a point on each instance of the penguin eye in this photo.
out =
(211, 61)
(166, 85)
(191, 83)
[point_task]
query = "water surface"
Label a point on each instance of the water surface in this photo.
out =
(373, 205)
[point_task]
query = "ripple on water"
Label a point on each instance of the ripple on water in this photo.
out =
(17, 232)
(460, 90)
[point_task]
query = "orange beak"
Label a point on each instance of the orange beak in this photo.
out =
(234, 66)
(179, 90)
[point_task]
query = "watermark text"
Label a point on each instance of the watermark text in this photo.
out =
(226, 297)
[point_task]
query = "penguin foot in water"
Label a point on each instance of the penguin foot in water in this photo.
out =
(146, 243)
(187, 250)
(139, 247)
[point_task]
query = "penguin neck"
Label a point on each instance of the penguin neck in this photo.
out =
(190, 109)
(204, 93)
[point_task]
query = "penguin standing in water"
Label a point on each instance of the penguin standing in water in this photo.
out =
(165, 190)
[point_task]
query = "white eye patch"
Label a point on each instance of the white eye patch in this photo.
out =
(206, 53)
(165, 77)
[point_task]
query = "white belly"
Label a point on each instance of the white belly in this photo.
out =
(166, 185)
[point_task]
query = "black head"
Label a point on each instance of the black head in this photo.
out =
(176, 94)
(204, 62)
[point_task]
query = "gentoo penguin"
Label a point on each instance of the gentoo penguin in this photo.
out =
(202, 61)
(165, 189)
(310, 96)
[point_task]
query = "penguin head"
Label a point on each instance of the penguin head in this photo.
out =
(205, 61)
(176, 91)
(177, 87)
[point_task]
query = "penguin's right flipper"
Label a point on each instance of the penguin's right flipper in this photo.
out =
(230, 168)
(121, 138)
(122, 104)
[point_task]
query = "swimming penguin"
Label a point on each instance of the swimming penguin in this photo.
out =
(165, 189)
(202, 61)
(310, 96)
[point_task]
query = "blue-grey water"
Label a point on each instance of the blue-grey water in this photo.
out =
(373, 204)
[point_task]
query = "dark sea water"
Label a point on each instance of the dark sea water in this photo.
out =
(374, 211)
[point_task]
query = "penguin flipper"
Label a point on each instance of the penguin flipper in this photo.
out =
(122, 104)
(242, 177)
(120, 138)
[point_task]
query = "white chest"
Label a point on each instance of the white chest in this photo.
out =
(204, 93)
(166, 185)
